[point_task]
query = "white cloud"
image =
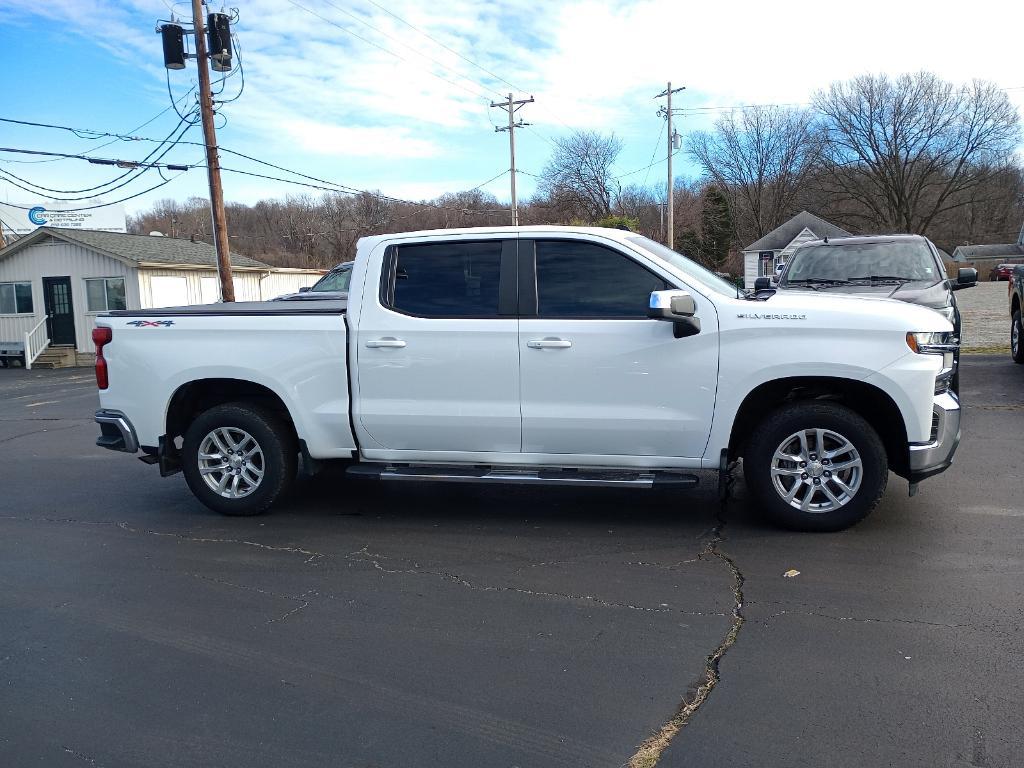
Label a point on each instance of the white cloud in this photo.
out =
(319, 99)
(354, 141)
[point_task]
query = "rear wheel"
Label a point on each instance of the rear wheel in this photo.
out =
(1017, 338)
(238, 458)
(815, 466)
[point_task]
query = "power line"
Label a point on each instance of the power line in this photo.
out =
(142, 166)
(321, 183)
(116, 136)
(654, 152)
(646, 167)
(485, 183)
(412, 26)
(381, 32)
(104, 205)
(383, 48)
(355, 191)
(95, 160)
(533, 129)
(466, 59)
(742, 107)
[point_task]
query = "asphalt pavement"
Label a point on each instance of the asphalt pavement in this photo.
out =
(369, 625)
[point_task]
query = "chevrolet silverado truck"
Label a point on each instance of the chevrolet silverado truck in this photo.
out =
(537, 355)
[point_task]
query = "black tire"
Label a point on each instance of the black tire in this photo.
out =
(1017, 350)
(278, 460)
(791, 419)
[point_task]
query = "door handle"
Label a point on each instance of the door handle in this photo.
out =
(387, 342)
(549, 343)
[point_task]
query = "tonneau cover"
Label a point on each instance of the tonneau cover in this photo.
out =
(242, 308)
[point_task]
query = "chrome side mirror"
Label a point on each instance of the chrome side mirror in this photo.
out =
(677, 307)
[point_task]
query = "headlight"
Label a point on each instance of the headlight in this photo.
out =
(947, 312)
(931, 342)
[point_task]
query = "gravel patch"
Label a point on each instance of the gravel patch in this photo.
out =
(986, 320)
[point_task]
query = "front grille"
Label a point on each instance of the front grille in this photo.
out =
(935, 428)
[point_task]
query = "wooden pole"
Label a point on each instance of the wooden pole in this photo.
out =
(220, 222)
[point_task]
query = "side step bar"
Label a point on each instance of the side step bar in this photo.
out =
(582, 477)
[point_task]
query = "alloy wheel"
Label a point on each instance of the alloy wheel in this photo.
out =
(231, 462)
(816, 470)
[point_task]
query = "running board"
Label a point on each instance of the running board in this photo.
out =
(581, 477)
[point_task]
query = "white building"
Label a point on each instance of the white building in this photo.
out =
(55, 281)
(762, 256)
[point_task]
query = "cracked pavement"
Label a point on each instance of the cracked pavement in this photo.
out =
(373, 625)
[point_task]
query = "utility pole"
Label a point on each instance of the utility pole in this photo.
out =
(220, 221)
(666, 111)
(511, 107)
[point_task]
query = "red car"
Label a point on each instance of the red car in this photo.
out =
(1001, 272)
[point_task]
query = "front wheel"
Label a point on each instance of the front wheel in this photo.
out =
(238, 458)
(1017, 338)
(815, 466)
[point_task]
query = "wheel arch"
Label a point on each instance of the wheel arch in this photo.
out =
(870, 402)
(194, 397)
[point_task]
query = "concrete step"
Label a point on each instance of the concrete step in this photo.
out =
(56, 357)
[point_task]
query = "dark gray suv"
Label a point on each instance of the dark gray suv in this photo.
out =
(904, 267)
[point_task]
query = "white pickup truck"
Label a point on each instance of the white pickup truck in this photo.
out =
(569, 355)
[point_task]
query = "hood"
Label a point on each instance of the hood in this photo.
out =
(845, 310)
(923, 293)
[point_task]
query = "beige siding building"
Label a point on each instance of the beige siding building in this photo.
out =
(54, 282)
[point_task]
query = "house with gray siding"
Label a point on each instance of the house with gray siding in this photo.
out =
(55, 281)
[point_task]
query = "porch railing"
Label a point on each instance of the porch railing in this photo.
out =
(36, 341)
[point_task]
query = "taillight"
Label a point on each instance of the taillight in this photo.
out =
(101, 337)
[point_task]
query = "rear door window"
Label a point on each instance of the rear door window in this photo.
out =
(445, 279)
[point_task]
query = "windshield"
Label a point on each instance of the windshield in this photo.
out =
(687, 266)
(336, 280)
(907, 260)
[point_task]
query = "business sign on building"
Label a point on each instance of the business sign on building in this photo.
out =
(24, 221)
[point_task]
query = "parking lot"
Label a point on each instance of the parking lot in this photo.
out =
(367, 625)
(986, 317)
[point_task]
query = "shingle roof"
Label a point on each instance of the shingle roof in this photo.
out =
(783, 235)
(997, 251)
(146, 249)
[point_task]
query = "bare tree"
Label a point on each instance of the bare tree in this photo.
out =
(911, 149)
(578, 174)
(760, 159)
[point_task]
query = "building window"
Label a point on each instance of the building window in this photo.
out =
(15, 298)
(105, 293)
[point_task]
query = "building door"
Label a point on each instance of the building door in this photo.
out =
(60, 321)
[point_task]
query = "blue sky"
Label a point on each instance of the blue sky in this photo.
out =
(410, 115)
